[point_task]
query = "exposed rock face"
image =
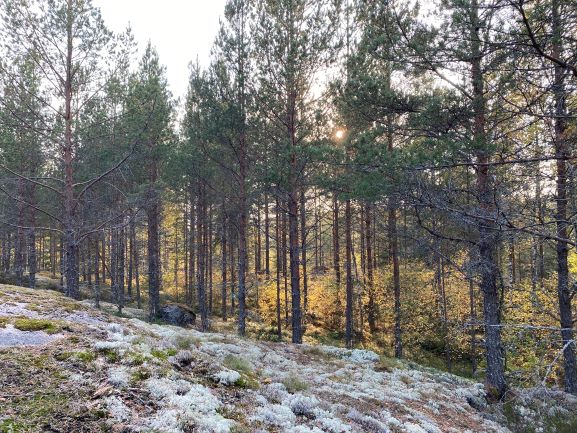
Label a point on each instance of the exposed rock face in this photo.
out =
(10, 337)
(177, 314)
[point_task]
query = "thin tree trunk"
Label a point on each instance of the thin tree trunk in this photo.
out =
(349, 276)
(233, 267)
(266, 237)
(371, 307)
(130, 255)
(336, 243)
(201, 271)
(284, 265)
(223, 265)
(278, 268)
(153, 247)
(210, 258)
(304, 254)
(192, 254)
(96, 272)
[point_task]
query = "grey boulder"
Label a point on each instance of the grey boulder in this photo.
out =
(177, 314)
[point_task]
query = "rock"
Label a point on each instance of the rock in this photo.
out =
(476, 402)
(177, 314)
(12, 337)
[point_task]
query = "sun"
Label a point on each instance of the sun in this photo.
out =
(340, 134)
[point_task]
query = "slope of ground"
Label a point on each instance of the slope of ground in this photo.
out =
(67, 367)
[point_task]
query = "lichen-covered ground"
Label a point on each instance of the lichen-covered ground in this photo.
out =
(67, 367)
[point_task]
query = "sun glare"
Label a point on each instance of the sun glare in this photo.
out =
(340, 134)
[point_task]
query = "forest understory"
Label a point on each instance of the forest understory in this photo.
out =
(73, 368)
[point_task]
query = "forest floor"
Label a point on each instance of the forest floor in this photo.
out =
(68, 367)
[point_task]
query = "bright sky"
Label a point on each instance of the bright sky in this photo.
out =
(181, 30)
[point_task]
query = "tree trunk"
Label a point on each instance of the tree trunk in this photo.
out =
(294, 257)
(371, 307)
(192, 246)
(223, 265)
(153, 248)
(71, 247)
(304, 254)
(284, 264)
(20, 236)
(233, 267)
(349, 276)
(336, 243)
(278, 268)
(266, 237)
(488, 237)
(394, 248)
(201, 228)
(562, 153)
(96, 273)
(209, 240)
(32, 259)
(131, 233)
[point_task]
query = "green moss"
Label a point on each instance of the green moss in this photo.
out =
(111, 355)
(135, 358)
(28, 324)
(74, 339)
(163, 354)
(247, 382)
(294, 384)
(63, 356)
(10, 426)
(85, 357)
(42, 405)
(3, 321)
(140, 374)
(561, 424)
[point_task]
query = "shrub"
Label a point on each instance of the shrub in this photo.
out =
(185, 342)
(238, 364)
(294, 384)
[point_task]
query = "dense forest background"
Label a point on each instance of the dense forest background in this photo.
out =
(369, 173)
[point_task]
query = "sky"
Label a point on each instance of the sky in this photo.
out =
(181, 30)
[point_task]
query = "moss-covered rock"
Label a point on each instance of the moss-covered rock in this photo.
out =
(30, 324)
